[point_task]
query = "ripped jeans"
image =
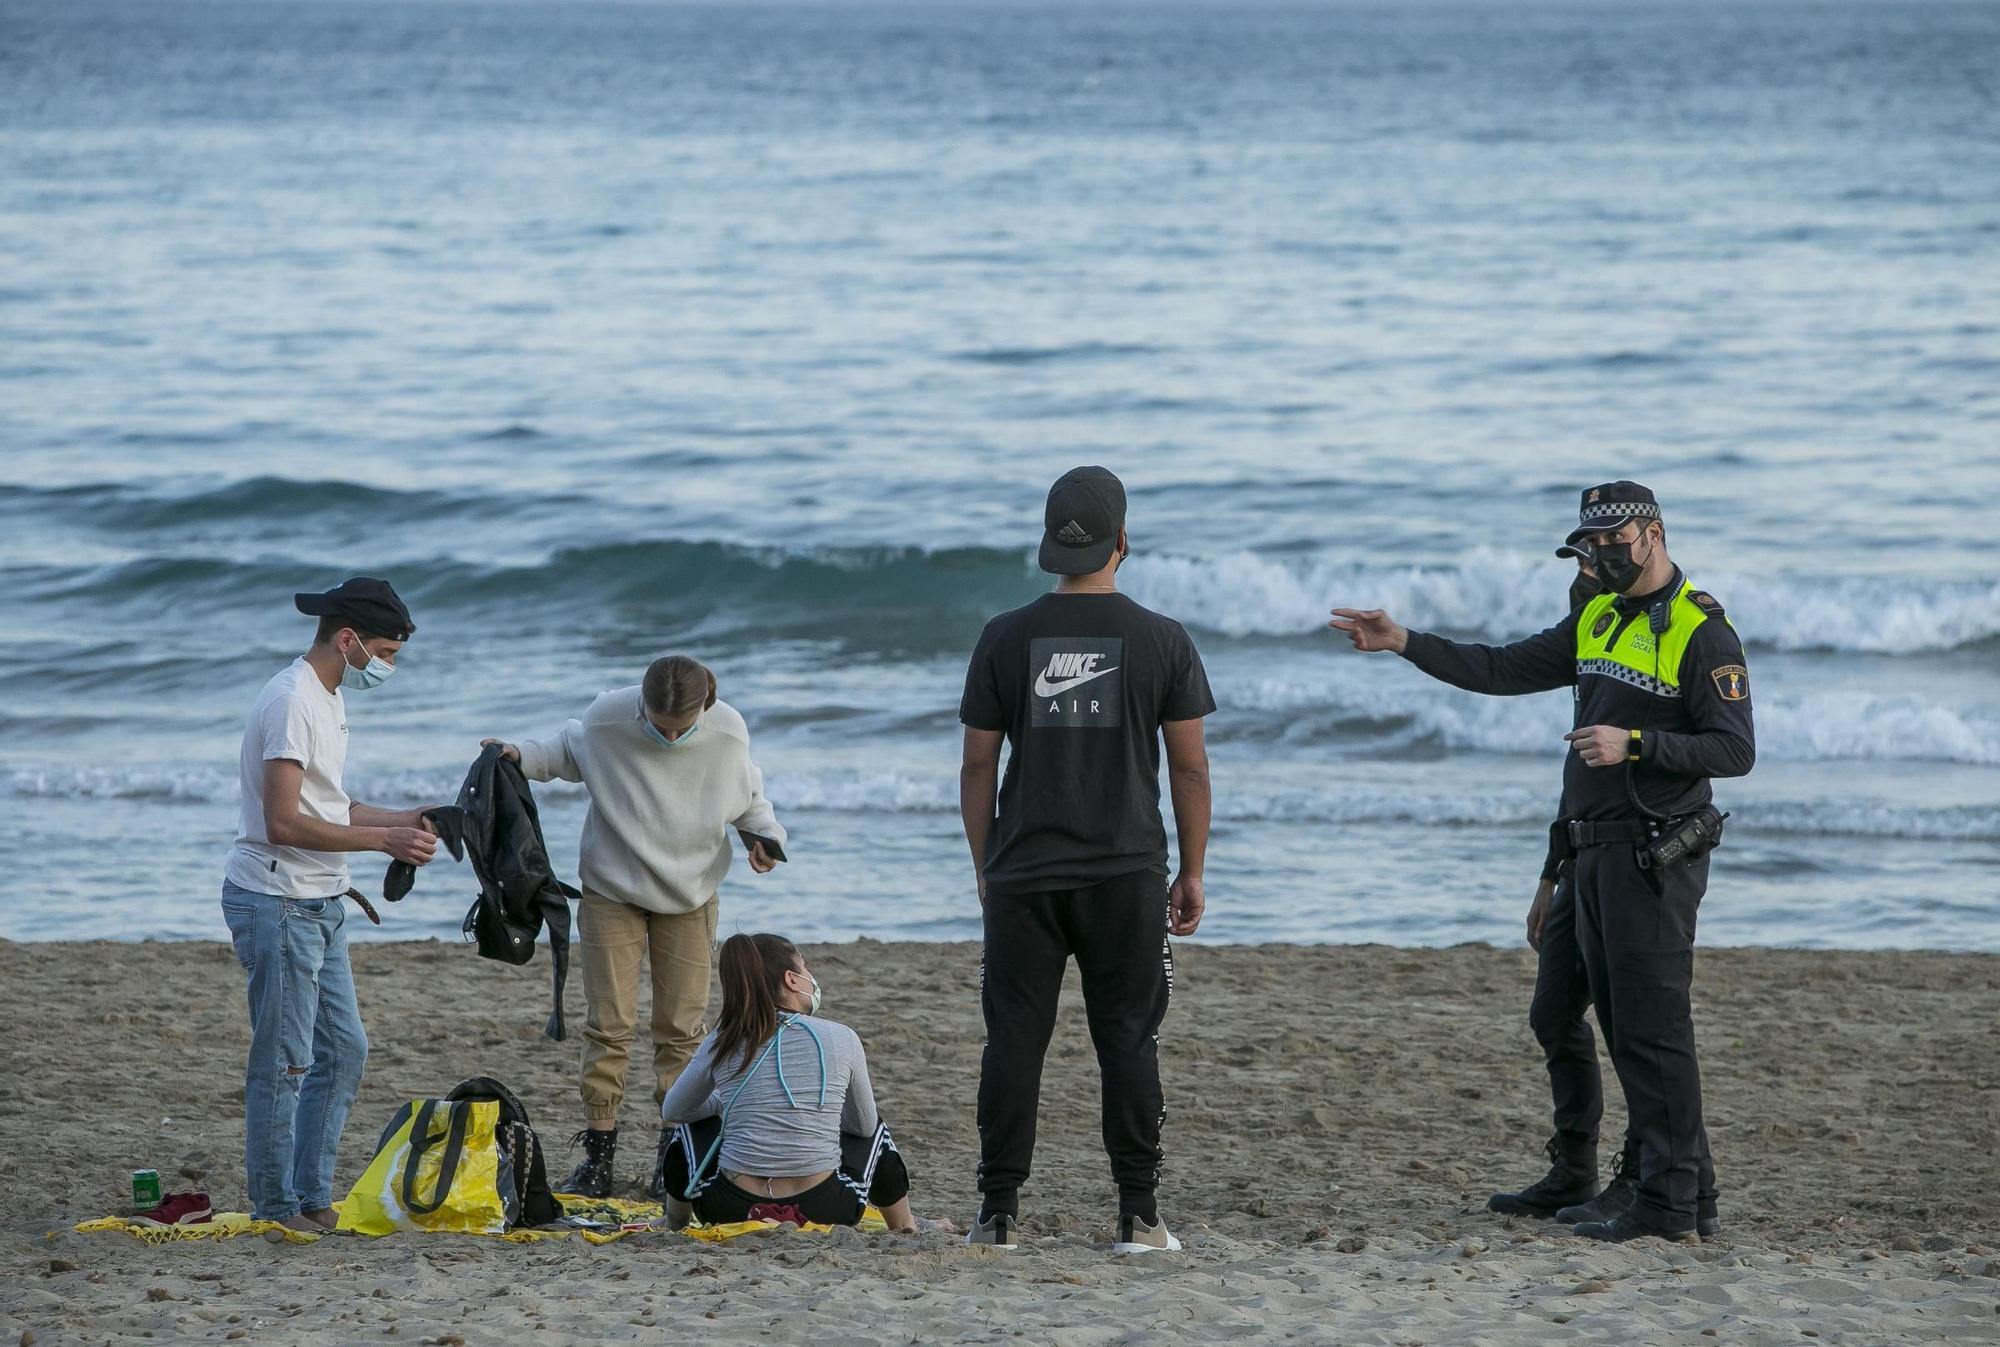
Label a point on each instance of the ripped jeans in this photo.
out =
(307, 1046)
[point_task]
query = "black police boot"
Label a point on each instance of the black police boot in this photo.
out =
(1616, 1199)
(1707, 1218)
(1627, 1226)
(592, 1177)
(659, 1188)
(1572, 1178)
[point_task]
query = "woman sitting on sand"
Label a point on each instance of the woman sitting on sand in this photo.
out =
(774, 1118)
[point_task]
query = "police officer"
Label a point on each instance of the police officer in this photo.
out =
(1662, 705)
(1562, 995)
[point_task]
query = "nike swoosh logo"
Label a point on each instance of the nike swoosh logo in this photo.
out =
(1044, 688)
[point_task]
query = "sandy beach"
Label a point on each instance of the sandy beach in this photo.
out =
(1336, 1118)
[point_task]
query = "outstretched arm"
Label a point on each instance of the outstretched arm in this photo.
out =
(287, 825)
(549, 759)
(1540, 662)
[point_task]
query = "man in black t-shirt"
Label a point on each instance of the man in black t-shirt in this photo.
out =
(1082, 684)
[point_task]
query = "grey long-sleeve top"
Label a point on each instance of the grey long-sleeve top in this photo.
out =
(767, 1133)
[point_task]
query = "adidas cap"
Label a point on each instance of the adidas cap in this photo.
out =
(1080, 524)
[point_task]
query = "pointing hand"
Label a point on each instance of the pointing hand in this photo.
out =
(1370, 629)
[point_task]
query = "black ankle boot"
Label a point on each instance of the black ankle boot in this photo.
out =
(1624, 1228)
(1572, 1178)
(592, 1178)
(1616, 1199)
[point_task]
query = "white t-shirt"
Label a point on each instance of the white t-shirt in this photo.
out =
(296, 718)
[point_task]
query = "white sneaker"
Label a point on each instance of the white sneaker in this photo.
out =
(1135, 1236)
(995, 1232)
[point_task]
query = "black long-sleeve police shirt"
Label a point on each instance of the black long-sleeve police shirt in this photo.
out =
(1686, 740)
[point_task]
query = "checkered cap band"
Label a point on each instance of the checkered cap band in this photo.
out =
(1619, 509)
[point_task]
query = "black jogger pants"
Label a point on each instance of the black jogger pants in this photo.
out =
(1117, 931)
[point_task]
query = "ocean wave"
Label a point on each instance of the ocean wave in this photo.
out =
(887, 596)
(167, 783)
(920, 597)
(1502, 596)
(1037, 355)
(837, 792)
(852, 591)
(1836, 726)
(119, 507)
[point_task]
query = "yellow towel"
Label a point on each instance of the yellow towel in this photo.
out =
(614, 1212)
(223, 1225)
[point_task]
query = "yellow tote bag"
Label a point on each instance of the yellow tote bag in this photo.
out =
(438, 1167)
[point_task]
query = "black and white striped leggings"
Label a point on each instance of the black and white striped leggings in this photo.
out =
(871, 1173)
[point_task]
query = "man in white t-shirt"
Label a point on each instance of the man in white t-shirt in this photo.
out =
(282, 895)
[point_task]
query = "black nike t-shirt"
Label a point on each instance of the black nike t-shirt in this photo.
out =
(1080, 683)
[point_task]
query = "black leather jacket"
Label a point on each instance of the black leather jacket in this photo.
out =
(495, 825)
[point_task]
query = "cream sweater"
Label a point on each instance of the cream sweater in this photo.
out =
(657, 834)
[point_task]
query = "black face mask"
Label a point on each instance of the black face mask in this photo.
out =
(1615, 564)
(1583, 589)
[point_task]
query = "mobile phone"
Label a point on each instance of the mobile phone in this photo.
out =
(771, 846)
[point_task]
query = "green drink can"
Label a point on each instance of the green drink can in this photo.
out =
(145, 1189)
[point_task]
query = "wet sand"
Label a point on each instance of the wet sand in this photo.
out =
(1336, 1118)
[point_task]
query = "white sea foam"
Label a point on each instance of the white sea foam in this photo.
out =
(925, 793)
(1502, 596)
(1837, 726)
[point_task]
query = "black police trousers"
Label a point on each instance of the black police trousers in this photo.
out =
(1635, 931)
(1562, 995)
(1118, 932)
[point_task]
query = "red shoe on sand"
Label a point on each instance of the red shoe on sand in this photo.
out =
(178, 1209)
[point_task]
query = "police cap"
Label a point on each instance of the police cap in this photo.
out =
(1608, 507)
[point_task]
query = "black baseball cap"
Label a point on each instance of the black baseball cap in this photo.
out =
(1081, 521)
(370, 604)
(1607, 507)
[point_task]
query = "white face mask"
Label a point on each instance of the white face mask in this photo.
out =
(373, 674)
(662, 740)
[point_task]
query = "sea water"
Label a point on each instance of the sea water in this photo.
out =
(757, 332)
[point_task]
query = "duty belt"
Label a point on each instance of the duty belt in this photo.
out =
(1583, 835)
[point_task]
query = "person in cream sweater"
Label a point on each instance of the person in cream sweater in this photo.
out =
(669, 773)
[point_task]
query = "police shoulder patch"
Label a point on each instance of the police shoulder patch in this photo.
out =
(1732, 682)
(1705, 601)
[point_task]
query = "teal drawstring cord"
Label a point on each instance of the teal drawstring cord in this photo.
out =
(814, 1034)
(695, 1180)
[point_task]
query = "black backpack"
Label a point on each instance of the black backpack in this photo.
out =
(520, 1151)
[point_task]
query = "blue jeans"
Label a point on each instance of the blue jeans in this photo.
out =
(307, 1046)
